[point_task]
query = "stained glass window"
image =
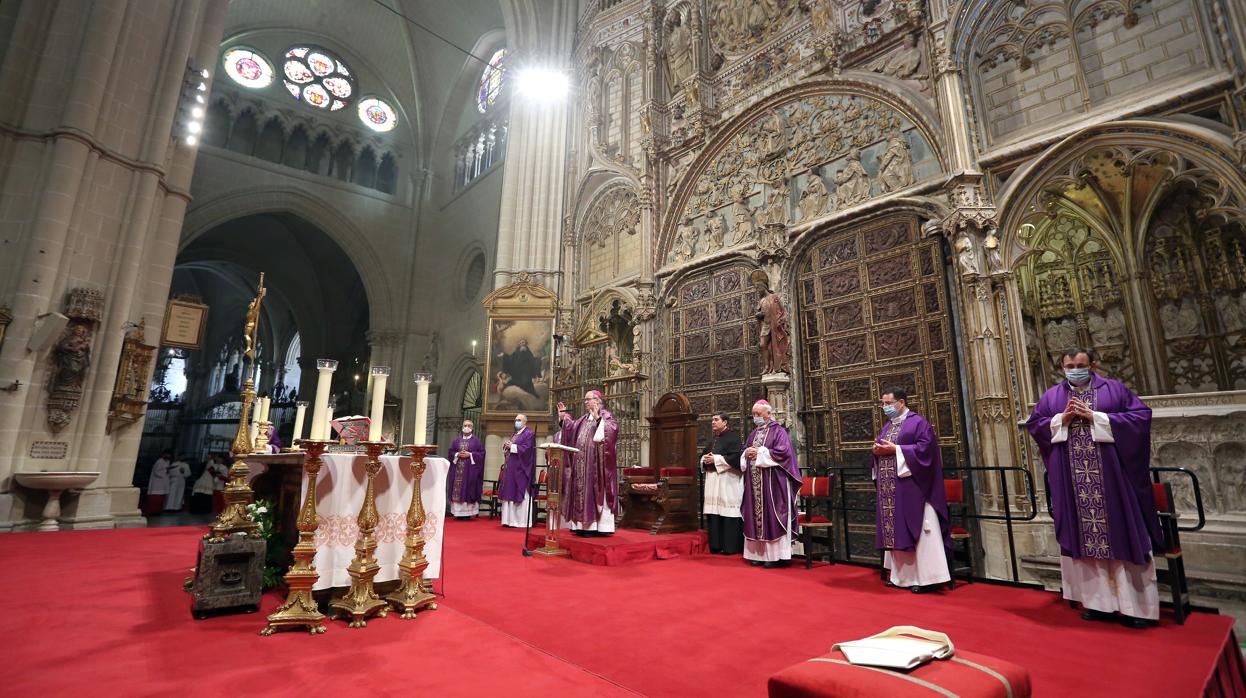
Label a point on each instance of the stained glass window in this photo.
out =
(377, 115)
(317, 77)
(491, 81)
(248, 68)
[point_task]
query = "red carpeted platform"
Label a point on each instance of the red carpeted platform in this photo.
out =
(102, 613)
(627, 546)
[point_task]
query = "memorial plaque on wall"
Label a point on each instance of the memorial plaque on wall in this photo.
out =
(184, 323)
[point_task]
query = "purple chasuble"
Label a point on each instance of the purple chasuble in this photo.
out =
(769, 506)
(1101, 497)
(901, 501)
(590, 479)
(520, 466)
(466, 481)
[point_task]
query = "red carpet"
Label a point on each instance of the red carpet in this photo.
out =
(627, 546)
(102, 613)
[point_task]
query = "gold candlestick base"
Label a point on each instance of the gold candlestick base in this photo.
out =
(413, 594)
(299, 609)
(361, 599)
(261, 438)
(234, 517)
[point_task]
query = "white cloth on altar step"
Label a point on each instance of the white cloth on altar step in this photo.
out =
(464, 508)
(1100, 432)
(769, 550)
(604, 523)
(925, 565)
(724, 490)
(516, 513)
(1111, 586)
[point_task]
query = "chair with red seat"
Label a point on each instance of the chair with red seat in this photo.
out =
(815, 501)
(1174, 574)
(489, 497)
(540, 497)
(955, 492)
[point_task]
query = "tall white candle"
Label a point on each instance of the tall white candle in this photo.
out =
(380, 376)
(300, 413)
(328, 425)
(422, 380)
(265, 405)
(320, 407)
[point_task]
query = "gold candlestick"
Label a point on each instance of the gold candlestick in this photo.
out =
(234, 517)
(413, 593)
(361, 600)
(261, 437)
(299, 609)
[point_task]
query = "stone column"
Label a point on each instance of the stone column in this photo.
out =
(529, 231)
(107, 214)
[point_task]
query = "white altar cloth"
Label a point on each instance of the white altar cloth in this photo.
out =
(339, 495)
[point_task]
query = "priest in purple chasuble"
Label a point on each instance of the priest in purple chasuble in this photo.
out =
(518, 474)
(771, 483)
(912, 529)
(466, 481)
(1095, 439)
(590, 484)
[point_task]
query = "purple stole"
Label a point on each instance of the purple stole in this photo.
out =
(887, 488)
(1087, 466)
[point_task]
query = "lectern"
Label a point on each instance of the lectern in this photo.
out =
(555, 455)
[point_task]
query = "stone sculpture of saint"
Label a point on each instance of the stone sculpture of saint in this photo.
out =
(813, 199)
(852, 183)
(685, 241)
(966, 255)
(774, 330)
(895, 167)
(715, 230)
(773, 137)
(741, 217)
(775, 210)
(73, 357)
(678, 54)
(994, 257)
(902, 63)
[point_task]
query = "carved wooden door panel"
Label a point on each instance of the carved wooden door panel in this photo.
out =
(874, 313)
(712, 343)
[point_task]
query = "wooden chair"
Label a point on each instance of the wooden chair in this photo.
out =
(956, 509)
(815, 491)
(540, 498)
(662, 501)
(489, 498)
(1174, 574)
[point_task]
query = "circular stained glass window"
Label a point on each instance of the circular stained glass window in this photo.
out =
(248, 68)
(377, 115)
(317, 77)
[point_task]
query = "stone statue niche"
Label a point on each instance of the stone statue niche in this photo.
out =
(617, 325)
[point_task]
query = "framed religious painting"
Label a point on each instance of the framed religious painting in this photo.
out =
(520, 351)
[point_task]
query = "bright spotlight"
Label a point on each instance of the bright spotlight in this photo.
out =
(197, 112)
(194, 127)
(542, 84)
(191, 140)
(204, 73)
(199, 99)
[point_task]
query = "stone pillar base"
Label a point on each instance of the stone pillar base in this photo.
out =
(778, 394)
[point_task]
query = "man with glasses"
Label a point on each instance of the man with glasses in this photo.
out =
(590, 488)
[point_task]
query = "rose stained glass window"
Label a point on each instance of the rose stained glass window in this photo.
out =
(317, 77)
(248, 68)
(377, 115)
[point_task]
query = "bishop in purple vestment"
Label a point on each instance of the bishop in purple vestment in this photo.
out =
(1095, 438)
(590, 485)
(912, 527)
(771, 483)
(518, 474)
(466, 481)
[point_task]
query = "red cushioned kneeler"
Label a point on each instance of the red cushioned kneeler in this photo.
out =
(823, 677)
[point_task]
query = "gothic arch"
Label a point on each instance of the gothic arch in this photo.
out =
(901, 106)
(210, 213)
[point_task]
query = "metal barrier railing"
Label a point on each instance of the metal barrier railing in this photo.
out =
(1198, 495)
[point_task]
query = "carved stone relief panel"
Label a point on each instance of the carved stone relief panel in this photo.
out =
(1033, 61)
(799, 162)
(738, 25)
(609, 237)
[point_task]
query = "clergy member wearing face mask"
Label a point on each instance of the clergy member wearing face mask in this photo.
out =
(912, 530)
(771, 482)
(1095, 438)
(467, 474)
(517, 478)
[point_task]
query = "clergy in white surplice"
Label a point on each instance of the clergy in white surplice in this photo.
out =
(724, 488)
(518, 475)
(1095, 437)
(912, 529)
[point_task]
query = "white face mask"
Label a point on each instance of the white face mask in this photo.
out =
(467, 430)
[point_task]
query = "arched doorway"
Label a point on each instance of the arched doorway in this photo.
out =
(316, 307)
